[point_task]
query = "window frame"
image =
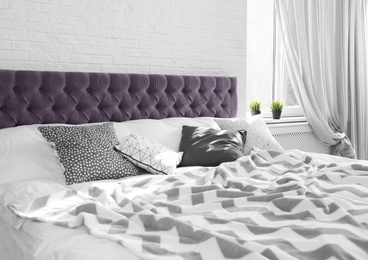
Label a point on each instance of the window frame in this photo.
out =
(288, 111)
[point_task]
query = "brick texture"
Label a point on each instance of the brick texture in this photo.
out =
(191, 37)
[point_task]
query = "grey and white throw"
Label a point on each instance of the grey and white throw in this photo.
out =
(268, 205)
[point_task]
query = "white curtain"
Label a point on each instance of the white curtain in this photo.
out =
(321, 48)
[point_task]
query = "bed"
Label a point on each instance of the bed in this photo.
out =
(132, 166)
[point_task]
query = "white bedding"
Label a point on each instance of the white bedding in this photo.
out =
(44, 241)
(29, 168)
(286, 199)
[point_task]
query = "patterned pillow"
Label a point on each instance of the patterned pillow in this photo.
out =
(203, 146)
(149, 155)
(87, 152)
(258, 134)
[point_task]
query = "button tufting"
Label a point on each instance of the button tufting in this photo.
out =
(131, 95)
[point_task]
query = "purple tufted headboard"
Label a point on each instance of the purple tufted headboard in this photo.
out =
(35, 97)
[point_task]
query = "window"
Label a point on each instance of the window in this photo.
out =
(267, 80)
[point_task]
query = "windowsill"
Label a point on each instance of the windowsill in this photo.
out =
(285, 120)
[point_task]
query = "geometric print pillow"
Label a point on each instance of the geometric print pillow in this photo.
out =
(87, 152)
(149, 155)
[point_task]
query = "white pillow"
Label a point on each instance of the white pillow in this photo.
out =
(163, 131)
(26, 155)
(151, 156)
(258, 134)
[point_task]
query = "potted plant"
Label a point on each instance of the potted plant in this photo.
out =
(276, 107)
(255, 106)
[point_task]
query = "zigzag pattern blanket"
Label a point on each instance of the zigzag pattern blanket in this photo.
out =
(264, 206)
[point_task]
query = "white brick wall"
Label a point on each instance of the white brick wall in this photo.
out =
(192, 37)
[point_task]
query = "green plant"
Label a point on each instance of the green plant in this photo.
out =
(255, 105)
(277, 105)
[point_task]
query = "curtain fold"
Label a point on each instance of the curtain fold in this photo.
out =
(321, 48)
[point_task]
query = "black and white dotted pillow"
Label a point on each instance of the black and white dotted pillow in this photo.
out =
(87, 152)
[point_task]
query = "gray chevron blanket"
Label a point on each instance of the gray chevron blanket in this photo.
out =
(267, 205)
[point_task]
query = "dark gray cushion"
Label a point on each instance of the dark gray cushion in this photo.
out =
(204, 146)
(87, 152)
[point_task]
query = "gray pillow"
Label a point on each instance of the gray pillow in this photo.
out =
(203, 146)
(87, 153)
(258, 134)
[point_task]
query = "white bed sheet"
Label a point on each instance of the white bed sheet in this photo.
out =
(47, 241)
(327, 158)
(41, 241)
(36, 240)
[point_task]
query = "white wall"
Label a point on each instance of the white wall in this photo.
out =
(196, 37)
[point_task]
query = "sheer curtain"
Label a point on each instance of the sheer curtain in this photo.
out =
(321, 49)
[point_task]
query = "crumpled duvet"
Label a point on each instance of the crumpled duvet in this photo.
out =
(268, 205)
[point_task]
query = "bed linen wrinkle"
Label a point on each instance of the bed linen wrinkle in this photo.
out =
(224, 212)
(40, 241)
